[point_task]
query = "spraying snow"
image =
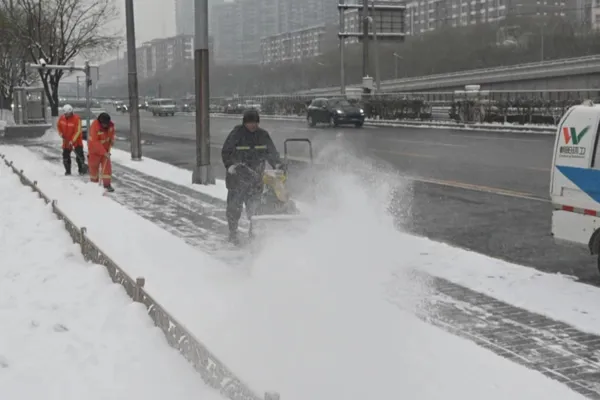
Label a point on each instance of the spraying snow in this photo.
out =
(329, 312)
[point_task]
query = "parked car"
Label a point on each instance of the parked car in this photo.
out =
(334, 112)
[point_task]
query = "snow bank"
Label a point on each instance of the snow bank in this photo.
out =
(323, 314)
(67, 331)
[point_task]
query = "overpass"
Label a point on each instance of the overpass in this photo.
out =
(566, 73)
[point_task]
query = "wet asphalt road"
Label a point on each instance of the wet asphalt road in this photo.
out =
(482, 191)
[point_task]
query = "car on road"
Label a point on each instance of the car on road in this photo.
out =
(334, 112)
(162, 107)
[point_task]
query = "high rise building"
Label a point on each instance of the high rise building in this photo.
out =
(184, 17)
(227, 29)
(427, 15)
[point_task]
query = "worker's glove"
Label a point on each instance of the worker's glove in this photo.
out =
(232, 169)
(107, 154)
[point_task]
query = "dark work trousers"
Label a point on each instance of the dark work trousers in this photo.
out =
(237, 197)
(79, 158)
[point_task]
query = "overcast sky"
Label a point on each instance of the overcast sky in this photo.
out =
(153, 19)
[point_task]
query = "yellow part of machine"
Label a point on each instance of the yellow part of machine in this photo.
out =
(276, 205)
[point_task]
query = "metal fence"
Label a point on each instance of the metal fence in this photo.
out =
(213, 371)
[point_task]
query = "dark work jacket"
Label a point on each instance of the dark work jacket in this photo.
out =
(251, 149)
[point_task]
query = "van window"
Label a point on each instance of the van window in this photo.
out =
(167, 103)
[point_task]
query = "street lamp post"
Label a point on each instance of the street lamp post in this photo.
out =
(134, 112)
(202, 173)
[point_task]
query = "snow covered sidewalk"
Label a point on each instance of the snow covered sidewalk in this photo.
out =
(67, 331)
(312, 317)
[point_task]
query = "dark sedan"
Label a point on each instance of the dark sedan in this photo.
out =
(334, 112)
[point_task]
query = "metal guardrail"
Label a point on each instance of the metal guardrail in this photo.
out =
(214, 372)
(547, 69)
(549, 130)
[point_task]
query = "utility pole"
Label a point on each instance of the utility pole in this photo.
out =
(202, 173)
(342, 28)
(88, 100)
(77, 77)
(365, 26)
(132, 81)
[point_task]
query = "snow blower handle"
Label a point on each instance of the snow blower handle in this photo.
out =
(252, 172)
(305, 140)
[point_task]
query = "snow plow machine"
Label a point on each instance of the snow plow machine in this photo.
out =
(277, 211)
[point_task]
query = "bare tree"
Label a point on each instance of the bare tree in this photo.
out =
(12, 54)
(60, 30)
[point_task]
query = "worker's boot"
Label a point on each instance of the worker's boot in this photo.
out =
(234, 238)
(109, 188)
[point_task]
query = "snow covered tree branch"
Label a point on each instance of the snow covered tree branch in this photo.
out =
(59, 31)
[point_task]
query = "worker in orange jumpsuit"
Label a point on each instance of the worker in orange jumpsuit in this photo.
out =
(100, 141)
(69, 129)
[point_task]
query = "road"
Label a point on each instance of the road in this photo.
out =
(482, 191)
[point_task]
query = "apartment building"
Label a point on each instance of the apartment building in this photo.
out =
(184, 17)
(427, 15)
(227, 30)
(293, 46)
(238, 36)
(160, 55)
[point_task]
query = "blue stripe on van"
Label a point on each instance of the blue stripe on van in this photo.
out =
(586, 179)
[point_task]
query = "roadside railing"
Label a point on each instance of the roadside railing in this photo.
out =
(214, 372)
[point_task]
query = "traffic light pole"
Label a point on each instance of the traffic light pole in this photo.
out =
(86, 68)
(392, 8)
(365, 29)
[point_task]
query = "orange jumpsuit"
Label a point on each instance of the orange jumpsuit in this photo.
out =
(100, 141)
(69, 129)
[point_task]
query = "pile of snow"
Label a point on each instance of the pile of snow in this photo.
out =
(325, 313)
(51, 136)
(68, 332)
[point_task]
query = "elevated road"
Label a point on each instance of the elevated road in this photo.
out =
(487, 192)
(539, 75)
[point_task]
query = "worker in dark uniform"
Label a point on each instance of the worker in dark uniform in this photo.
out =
(244, 154)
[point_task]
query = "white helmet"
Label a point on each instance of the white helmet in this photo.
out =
(67, 109)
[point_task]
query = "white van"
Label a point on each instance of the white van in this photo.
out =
(162, 107)
(575, 178)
